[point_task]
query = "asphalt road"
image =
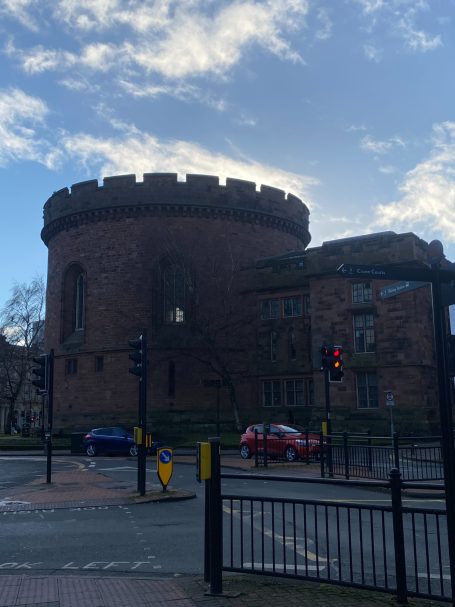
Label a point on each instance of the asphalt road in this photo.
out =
(163, 537)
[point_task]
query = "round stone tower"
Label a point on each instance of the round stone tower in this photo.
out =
(170, 257)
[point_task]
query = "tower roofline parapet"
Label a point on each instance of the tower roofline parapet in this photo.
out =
(163, 192)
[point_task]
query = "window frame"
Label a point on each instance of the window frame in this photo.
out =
(372, 401)
(364, 334)
(361, 292)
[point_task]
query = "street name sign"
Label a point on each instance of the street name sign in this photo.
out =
(391, 272)
(400, 287)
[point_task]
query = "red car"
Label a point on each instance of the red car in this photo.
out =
(283, 441)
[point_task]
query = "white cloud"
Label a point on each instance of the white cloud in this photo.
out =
(325, 25)
(20, 11)
(372, 53)
(427, 201)
(387, 169)
(376, 146)
(142, 153)
(398, 17)
(21, 118)
(174, 39)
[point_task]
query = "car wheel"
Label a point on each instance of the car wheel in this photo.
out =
(245, 452)
(90, 450)
(290, 454)
(133, 450)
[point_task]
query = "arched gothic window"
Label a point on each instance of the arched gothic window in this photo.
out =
(173, 294)
(79, 307)
(291, 344)
(74, 301)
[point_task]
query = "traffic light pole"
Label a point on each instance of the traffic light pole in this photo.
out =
(142, 450)
(50, 414)
(445, 412)
(328, 420)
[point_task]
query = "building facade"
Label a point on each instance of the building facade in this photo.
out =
(222, 281)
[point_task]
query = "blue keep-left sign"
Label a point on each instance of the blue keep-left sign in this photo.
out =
(164, 466)
(165, 456)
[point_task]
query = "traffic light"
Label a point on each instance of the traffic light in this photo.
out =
(326, 357)
(41, 373)
(332, 361)
(336, 369)
(138, 356)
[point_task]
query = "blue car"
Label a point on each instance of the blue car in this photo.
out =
(113, 440)
(110, 441)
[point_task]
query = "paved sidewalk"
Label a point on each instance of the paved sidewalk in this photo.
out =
(184, 591)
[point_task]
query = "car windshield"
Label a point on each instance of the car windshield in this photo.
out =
(291, 429)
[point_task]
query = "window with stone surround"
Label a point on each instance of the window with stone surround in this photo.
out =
(71, 366)
(271, 393)
(174, 294)
(367, 390)
(292, 351)
(362, 292)
(292, 306)
(99, 364)
(364, 333)
(74, 301)
(294, 392)
(273, 345)
(270, 308)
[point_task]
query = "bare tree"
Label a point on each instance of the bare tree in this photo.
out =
(218, 322)
(21, 329)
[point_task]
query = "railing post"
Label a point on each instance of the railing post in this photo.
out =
(307, 447)
(346, 455)
(256, 448)
(216, 521)
(321, 454)
(264, 441)
(396, 451)
(398, 534)
(370, 452)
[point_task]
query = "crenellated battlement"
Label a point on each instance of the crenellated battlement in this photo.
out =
(163, 192)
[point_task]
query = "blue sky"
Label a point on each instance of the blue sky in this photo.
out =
(349, 104)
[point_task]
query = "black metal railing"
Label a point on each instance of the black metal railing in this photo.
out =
(391, 548)
(417, 458)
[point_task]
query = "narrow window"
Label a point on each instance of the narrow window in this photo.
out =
(270, 309)
(362, 292)
(292, 306)
(364, 333)
(71, 366)
(294, 393)
(79, 304)
(367, 391)
(174, 295)
(99, 364)
(273, 345)
(171, 380)
(271, 393)
(292, 353)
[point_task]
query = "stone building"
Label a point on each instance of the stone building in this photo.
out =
(387, 342)
(221, 279)
(169, 257)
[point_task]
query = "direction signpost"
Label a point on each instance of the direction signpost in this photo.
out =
(400, 287)
(442, 282)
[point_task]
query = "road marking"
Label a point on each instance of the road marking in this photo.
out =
(280, 567)
(299, 549)
(7, 501)
(120, 468)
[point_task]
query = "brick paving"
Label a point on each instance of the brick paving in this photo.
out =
(67, 489)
